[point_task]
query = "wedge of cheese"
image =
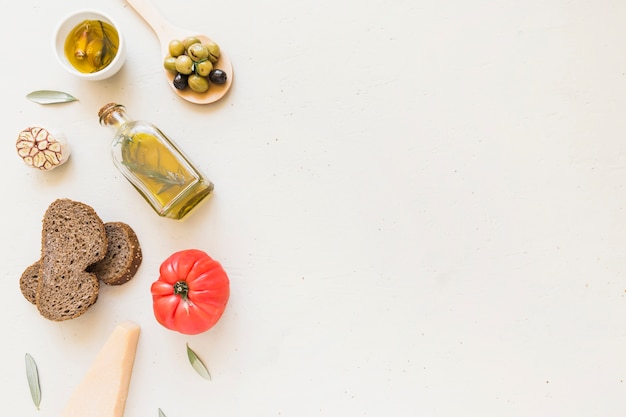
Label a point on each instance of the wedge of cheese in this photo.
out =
(104, 388)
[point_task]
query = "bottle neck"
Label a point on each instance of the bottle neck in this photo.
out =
(114, 116)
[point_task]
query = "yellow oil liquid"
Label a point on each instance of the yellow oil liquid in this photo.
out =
(91, 45)
(165, 179)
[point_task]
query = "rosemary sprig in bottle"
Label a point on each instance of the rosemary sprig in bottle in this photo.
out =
(167, 178)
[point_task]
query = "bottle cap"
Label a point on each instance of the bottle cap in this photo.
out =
(105, 110)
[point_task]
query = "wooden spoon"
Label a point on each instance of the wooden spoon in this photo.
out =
(166, 33)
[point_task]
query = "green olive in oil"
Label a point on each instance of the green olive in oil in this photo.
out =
(91, 45)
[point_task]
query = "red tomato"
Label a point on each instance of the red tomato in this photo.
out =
(191, 293)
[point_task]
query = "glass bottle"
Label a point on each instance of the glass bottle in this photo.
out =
(154, 165)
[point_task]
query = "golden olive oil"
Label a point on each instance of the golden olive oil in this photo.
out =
(91, 45)
(163, 175)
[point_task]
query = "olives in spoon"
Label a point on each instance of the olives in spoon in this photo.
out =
(195, 59)
(166, 34)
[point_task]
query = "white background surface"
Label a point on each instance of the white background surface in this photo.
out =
(420, 206)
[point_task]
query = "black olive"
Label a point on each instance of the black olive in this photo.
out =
(217, 76)
(180, 81)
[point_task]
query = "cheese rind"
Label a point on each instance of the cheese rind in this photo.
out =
(104, 388)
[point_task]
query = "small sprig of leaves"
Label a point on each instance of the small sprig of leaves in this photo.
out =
(197, 364)
(107, 45)
(167, 178)
(50, 97)
(133, 155)
(32, 374)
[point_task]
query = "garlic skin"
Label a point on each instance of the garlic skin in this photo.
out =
(42, 148)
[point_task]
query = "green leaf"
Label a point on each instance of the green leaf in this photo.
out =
(161, 413)
(33, 379)
(50, 97)
(197, 364)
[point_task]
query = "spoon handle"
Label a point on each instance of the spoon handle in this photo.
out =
(161, 27)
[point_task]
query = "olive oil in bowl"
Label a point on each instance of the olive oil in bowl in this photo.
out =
(91, 46)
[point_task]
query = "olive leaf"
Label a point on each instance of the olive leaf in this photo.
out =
(33, 379)
(50, 97)
(161, 413)
(197, 364)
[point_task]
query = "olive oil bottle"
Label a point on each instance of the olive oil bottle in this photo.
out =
(154, 164)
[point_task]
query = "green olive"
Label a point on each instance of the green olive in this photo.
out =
(184, 64)
(197, 52)
(197, 83)
(187, 42)
(176, 48)
(169, 64)
(214, 51)
(204, 68)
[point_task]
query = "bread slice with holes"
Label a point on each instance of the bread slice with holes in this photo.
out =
(73, 237)
(123, 255)
(29, 281)
(120, 264)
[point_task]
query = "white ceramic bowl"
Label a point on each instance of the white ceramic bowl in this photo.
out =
(64, 28)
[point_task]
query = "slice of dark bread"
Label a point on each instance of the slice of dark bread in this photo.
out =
(123, 255)
(119, 265)
(73, 237)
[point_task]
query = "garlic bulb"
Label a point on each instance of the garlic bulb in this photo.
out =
(42, 148)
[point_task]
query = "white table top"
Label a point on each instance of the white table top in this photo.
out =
(420, 206)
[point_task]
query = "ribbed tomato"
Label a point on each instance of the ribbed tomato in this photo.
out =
(191, 293)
